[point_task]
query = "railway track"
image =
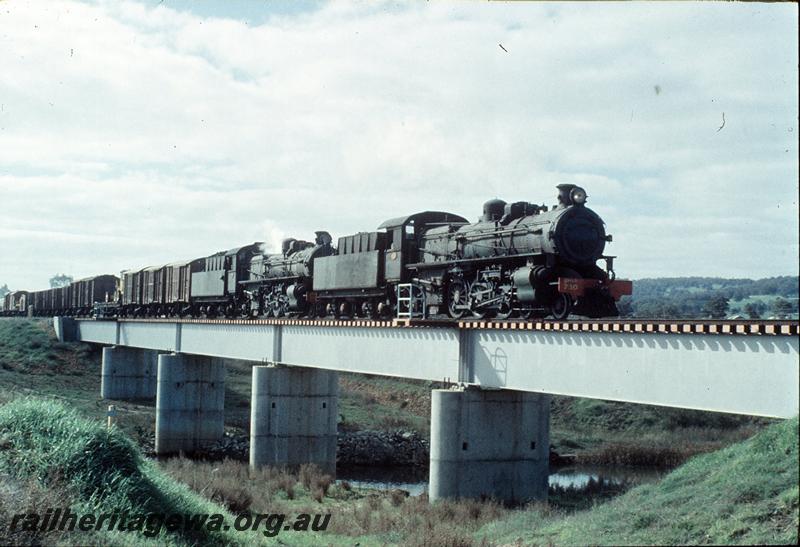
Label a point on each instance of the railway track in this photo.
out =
(743, 327)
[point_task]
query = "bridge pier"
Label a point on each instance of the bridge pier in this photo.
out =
(293, 417)
(493, 443)
(128, 373)
(190, 402)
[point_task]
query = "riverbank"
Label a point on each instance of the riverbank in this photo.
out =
(744, 494)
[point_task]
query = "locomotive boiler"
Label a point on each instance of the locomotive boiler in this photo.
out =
(278, 284)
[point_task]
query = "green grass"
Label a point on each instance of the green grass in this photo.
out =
(97, 470)
(744, 494)
(607, 432)
(30, 346)
(33, 362)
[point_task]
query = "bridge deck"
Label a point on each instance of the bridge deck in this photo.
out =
(746, 367)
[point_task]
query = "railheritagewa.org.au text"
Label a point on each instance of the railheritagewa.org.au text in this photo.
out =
(151, 524)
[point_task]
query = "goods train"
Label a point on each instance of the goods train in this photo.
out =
(519, 260)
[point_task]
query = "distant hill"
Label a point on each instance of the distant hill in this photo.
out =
(703, 297)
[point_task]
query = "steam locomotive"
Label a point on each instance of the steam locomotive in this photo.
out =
(519, 260)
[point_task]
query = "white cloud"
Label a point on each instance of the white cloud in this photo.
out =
(133, 134)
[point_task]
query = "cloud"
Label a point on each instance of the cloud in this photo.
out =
(134, 134)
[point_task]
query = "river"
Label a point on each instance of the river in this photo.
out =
(576, 477)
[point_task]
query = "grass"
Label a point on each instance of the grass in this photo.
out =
(30, 346)
(51, 457)
(92, 469)
(744, 494)
(612, 433)
(358, 516)
(33, 362)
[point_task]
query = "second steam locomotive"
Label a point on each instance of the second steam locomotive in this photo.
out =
(519, 260)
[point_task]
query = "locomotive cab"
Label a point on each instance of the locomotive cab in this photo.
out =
(215, 288)
(362, 278)
(404, 233)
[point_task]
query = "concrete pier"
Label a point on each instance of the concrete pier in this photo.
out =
(128, 373)
(489, 443)
(190, 402)
(293, 417)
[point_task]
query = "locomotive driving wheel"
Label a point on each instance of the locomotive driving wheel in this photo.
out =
(479, 292)
(457, 298)
(320, 309)
(368, 309)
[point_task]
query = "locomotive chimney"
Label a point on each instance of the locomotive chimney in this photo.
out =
(286, 244)
(563, 194)
(493, 210)
(323, 238)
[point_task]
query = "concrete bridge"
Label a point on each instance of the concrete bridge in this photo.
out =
(489, 436)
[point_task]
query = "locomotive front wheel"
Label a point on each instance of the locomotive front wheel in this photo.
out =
(504, 310)
(561, 306)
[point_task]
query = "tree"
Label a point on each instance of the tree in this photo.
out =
(4, 290)
(716, 306)
(60, 280)
(754, 309)
(781, 308)
(625, 307)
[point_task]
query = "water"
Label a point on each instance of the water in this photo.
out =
(579, 476)
(412, 480)
(415, 481)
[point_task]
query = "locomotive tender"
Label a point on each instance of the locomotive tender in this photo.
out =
(519, 259)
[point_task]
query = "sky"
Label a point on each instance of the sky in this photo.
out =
(141, 133)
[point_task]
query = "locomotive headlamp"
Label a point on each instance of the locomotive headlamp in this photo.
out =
(578, 196)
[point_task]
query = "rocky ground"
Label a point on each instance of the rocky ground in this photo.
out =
(372, 448)
(377, 448)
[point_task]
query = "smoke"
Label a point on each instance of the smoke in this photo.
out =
(273, 237)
